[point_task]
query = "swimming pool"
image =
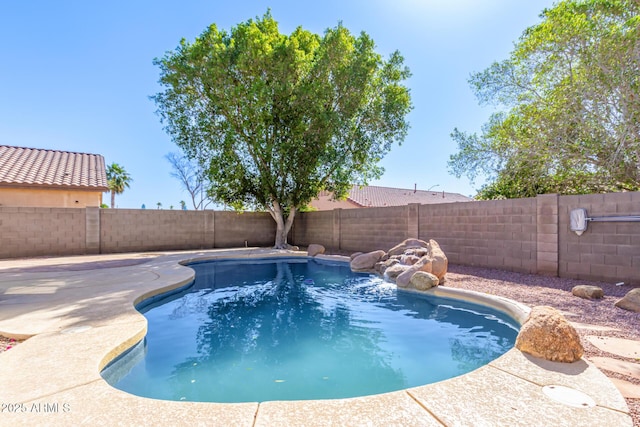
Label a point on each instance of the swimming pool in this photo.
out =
(295, 329)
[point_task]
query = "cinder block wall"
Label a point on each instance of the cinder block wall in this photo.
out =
(527, 235)
(498, 234)
(133, 230)
(27, 232)
(42, 231)
(372, 229)
(608, 251)
(316, 228)
(233, 229)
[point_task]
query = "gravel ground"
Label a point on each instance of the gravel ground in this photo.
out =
(535, 290)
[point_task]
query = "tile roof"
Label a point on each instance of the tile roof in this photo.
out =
(373, 196)
(20, 166)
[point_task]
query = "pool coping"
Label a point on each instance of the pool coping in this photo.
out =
(80, 320)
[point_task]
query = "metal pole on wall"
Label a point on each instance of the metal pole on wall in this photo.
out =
(578, 220)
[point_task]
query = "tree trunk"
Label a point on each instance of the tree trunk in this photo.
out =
(283, 227)
(113, 199)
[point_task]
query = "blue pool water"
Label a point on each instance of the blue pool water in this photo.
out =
(295, 329)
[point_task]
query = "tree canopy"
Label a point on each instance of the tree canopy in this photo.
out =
(277, 118)
(569, 98)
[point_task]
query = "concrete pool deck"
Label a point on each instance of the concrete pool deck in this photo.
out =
(79, 313)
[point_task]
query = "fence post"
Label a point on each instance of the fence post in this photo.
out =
(547, 230)
(92, 230)
(336, 238)
(413, 220)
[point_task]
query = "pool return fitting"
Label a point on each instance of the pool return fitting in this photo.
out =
(579, 220)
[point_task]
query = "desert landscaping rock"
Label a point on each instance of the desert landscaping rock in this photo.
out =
(424, 264)
(587, 292)
(631, 301)
(618, 346)
(404, 278)
(402, 261)
(409, 259)
(395, 270)
(354, 255)
(407, 244)
(548, 335)
(422, 280)
(315, 249)
(388, 263)
(366, 261)
(439, 260)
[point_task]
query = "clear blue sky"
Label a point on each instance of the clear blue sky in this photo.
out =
(76, 75)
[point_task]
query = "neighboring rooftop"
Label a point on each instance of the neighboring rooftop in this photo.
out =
(374, 196)
(20, 166)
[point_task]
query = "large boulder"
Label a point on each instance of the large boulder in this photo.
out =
(407, 244)
(366, 261)
(388, 263)
(420, 252)
(631, 301)
(548, 335)
(315, 249)
(422, 280)
(587, 292)
(409, 259)
(404, 278)
(424, 264)
(395, 270)
(439, 260)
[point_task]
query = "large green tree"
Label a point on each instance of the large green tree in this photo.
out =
(117, 180)
(569, 106)
(279, 118)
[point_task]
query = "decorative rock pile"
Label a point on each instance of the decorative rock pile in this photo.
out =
(422, 265)
(413, 264)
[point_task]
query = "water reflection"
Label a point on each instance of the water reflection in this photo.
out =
(278, 330)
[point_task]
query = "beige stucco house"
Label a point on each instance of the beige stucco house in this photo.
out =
(49, 178)
(371, 196)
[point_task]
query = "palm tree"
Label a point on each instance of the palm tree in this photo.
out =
(117, 180)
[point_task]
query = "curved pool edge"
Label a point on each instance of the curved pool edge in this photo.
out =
(517, 311)
(507, 391)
